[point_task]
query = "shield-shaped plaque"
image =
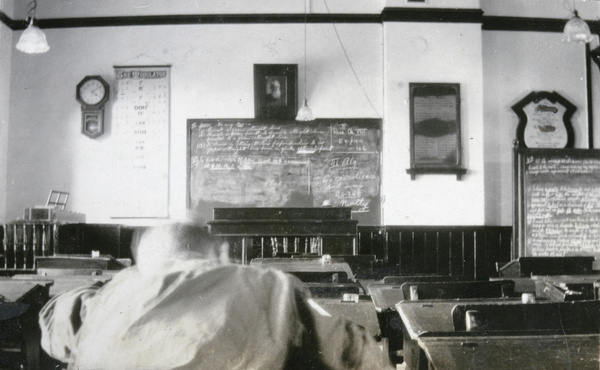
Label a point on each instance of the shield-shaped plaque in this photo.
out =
(544, 121)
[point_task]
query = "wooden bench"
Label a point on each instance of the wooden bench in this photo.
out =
(309, 270)
(333, 290)
(550, 318)
(399, 280)
(459, 290)
(20, 303)
(541, 335)
(386, 296)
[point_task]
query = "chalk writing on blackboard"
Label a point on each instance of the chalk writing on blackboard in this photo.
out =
(252, 163)
(561, 203)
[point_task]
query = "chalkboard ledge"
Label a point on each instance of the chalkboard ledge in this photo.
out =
(413, 172)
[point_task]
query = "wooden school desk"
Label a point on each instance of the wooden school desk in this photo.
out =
(541, 335)
(328, 283)
(309, 270)
(62, 283)
(385, 297)
(20, 303)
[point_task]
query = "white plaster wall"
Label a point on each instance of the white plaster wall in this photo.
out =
(212, 77)
(588, 9)
(41, 147)
(448, 4)
(595, 69)
(5, 52)
(422, 52)
(117, 8)
(8, 7)
(515, 64)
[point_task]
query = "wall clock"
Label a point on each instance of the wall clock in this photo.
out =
(92, 93)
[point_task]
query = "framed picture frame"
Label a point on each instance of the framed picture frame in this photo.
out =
(275, 91)
(435, 129)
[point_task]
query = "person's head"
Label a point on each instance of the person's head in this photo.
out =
(177, 241)
(275, 88)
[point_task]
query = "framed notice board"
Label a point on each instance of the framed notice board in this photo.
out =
(435, 125)
(257, 163)
(557, 202)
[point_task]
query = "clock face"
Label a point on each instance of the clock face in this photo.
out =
(92, 91)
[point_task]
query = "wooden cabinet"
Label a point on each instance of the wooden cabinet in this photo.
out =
(270, 232)
(114, 240)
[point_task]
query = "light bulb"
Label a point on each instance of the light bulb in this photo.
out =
(33, 40)
(305, 113)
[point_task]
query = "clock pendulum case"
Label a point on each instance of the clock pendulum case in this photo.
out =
(92, 93)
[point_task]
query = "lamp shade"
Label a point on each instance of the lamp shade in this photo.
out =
(576, 31)
(305, 113)
(33, 40)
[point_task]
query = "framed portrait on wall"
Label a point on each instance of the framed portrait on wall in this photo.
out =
(275, 91)
(435, 126)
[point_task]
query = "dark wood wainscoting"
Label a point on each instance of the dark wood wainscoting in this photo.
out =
(114, 240)
(464, 252)
(461, 252)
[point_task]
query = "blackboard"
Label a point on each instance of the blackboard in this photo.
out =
(558, 202)
(257, 163)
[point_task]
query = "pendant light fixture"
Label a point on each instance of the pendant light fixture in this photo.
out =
(305, 113)
(576, 30)
(33, 39)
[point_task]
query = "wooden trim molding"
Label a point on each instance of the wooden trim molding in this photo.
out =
(435, 15)
(432, 15)
(191, 20)
(494, 23)
(589, 95)
(9, 22)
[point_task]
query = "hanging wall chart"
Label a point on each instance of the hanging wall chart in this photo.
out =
(140, 128)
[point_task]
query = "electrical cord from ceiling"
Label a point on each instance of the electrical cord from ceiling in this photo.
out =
(350, 63)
